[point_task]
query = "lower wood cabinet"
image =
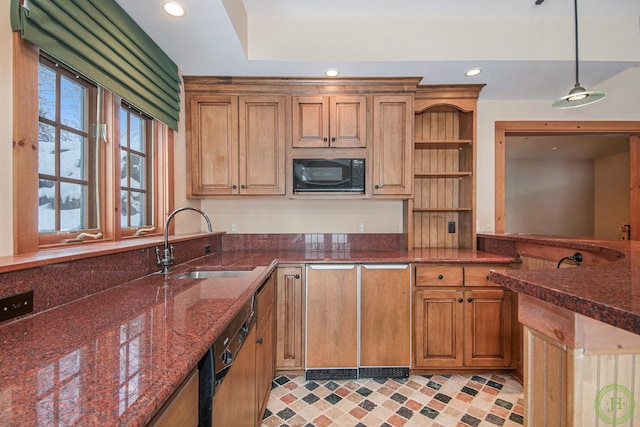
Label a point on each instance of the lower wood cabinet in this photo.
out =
(290, 319)
(460, 319)
(265, 345)
(182, 407)
(332, 317)
(385, 315)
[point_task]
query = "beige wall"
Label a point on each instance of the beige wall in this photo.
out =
(611, 195)
(550, 197)
(6, 131)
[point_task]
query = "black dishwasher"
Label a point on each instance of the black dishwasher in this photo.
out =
(218, 360)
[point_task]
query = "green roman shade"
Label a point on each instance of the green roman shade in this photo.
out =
(98, 39)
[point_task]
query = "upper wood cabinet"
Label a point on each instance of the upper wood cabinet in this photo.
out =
(392, 149)
(338, 121)
(235, 145)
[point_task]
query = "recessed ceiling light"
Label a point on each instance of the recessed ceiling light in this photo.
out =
(332, 72)
(174, 9)
(473, 72)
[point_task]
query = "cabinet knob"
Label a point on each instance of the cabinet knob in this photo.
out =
(243, 186)
(259, 340)
(333, 139)
(440, 277)
(487, 277)
(325, 139)
(469, 299)
(297, 276)
(376, 186)
(234, 186)
(460, 299)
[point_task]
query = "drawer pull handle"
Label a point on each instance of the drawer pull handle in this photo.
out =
(469, 299)
(460, 299)
(440, 277)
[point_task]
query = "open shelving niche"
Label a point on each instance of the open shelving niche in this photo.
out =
(444, 167)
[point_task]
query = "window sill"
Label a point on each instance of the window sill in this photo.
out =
(81, 251)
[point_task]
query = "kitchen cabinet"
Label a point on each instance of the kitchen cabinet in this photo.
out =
(358, 320)
(337, 121)
(290, 298)
(265, 344)
(182, 407)
(460, 320)
(385, 316)
(392, 147)
(443, 207)
(235, 144)
(234, 403)
(332, 318)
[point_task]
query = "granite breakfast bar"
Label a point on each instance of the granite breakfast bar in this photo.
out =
(581, 325)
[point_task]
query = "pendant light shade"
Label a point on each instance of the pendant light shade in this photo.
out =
(578, 96)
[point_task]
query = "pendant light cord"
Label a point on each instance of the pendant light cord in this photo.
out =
(575, 11)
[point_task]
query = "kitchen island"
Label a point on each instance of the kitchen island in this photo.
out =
(581, 326)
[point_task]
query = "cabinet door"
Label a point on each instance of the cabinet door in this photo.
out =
(182, 409)
(332, 316)
(487, 328)
(385, 315)
(310, 121)
(392, 145)
(289, 319)
(438, 328)
(212, 139)
(234, 403)
(348, 121)
(262, 145)
(265, 345)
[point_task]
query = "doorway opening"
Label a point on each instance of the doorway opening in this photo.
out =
(577, 179)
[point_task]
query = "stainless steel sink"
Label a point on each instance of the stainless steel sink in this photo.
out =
(211, 274)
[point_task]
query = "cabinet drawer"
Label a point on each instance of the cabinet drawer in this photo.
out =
(266, 299)
(476, 275)
(439, 275)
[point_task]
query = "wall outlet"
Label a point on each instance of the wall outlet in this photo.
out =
(361, 227)
(16, 305)
(451, 226)
(234, 228)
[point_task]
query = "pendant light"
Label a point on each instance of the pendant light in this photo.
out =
(578, 96)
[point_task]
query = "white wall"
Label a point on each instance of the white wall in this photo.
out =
(550, 197)
(6, 132)
(611, 195)
(621, 103)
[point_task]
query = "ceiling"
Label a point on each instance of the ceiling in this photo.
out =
(526, 51)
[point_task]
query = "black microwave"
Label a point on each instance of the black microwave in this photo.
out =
(328, 175)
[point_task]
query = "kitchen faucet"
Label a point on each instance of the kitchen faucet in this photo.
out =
(167, 253)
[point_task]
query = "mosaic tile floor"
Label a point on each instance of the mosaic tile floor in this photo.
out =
(430, 400)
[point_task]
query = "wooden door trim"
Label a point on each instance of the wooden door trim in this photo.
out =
(549, 128)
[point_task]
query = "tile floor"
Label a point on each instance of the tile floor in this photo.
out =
(429, 400)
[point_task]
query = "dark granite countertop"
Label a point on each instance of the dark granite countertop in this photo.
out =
(115, 357)
(609, 292)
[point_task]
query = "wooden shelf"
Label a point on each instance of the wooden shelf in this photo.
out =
(443, 175)
(441, 144)
(442, 209)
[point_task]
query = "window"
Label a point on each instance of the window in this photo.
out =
(136, 199)
(67, 192)
(102, 169)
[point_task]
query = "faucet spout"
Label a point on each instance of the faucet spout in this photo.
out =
(167, 253)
